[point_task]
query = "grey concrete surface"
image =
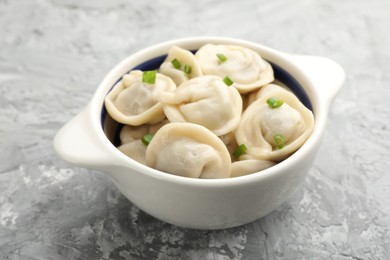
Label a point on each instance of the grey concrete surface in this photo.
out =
(53, 55)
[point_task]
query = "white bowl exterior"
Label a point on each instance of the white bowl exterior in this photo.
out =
(195, 203)
(208, 206)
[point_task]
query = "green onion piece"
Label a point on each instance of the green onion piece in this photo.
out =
(149, 76)
(187, 69)
(147, 138)
(222, 57)
(176, 64)
(241, 149)
(274, 102)
(227, 81)
(279, 141)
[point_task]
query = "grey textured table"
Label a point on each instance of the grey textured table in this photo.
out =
(54, 53)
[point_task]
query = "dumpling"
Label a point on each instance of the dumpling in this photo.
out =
(245, 167)
(204, 100)
(253, 96)
(180, 65)
(134, 102)
(131, 140)
(245, 67)
(135, 150)
(275, 125)
(229, 140)
(130, 133)
(188, 150)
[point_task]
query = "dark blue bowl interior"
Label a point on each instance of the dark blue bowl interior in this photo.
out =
(280, 74)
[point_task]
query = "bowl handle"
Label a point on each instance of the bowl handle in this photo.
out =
(326, 75)
(78, 143)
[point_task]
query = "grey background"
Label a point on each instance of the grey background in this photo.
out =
(53, 54)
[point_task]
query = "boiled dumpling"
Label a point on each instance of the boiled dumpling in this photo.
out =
(245, 167)
(275, 125)
(134, 102)
(130, 133)
(229, 140)
(204, 100)
(180, 65)
(188, 150)
(244, 67)
(254, 95)
(131, 139)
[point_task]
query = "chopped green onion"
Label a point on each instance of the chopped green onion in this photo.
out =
(147, 138)
(176, 64)
(187, 69)
(241, 149)
(227, 81)
(149, 76)
(274, 102)
(222, 57)
(279, 141)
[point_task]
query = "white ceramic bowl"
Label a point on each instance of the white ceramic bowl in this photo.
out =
(203, 203)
